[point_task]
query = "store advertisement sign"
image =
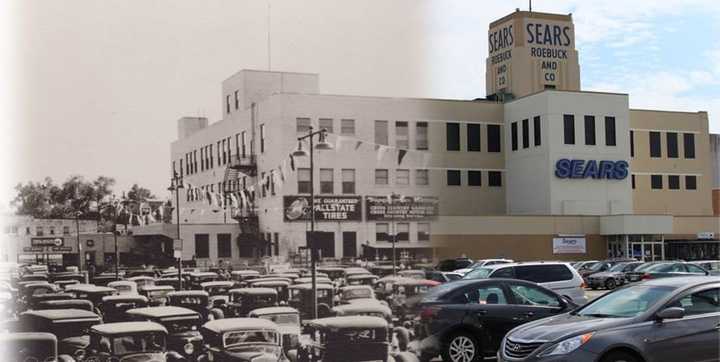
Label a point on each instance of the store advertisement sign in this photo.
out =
(45, 245)
(582, 169)
(327, 208)
(569, 245)
(49, 241)
(706, 235)
(382, 208)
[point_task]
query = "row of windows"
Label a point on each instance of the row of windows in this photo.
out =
(671, 143)
(401, 232)
(202, 246)
(237, 101)
(473, 137)
(382, 177)
(525, 124)
(382, 131)
(222, 156)
(673, 182)
(590, 138)
(474, 178)
(39, 230)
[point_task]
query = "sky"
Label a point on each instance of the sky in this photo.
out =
(96, 87)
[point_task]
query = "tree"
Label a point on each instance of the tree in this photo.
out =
(47, 200)
(139, 194)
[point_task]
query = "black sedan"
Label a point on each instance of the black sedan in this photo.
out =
(665, 270)
(465, 320)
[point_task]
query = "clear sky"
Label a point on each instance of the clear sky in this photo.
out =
(95, 87)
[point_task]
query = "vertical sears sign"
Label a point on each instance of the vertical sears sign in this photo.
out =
(501, 41)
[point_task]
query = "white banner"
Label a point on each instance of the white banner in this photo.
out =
(569, 245)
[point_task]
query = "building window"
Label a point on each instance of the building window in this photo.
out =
(210, 156)
(262, 138)
(401, 135)
(590, 131)
(237, 100)
(303, 180)
(326, 181)
(224, 153)
(302, 125)
(224, 246)
(27, 230)
(632, 143)
(347, 127)
(473, 137)
(421, 135)
(453, 136)
(39, 231)
(453, 178)
(381, 176)
(674, 182)
(632, 179)
(655, 144)
(227, 104)
(402, 177)
(514, 136)
(495, 178)
(610, 139)
(382, 231)
(569, 129)
(690, 183)
(348, 181)
(326, 124)
(219, 160)
(423, 231)
(672, 144)
(52, 230)
(493, 136)
(272, 182)
(264, 182)
(66, 230)
(242, 144)
(421, 178)
(474, 178)
(202, 247)
(656, 182)
(689, 145)
(537, 130)
(381, 132)
(402, 232)
(526, 133)
(181, 168)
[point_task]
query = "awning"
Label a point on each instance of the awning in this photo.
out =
(400, 245)
(168, 230)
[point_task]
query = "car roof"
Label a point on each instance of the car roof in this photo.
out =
(23, 336)
(362, 276)
(162, 312)
(217, 283)
(355, 287)
(254, 291)
(273, 310)
(124, 297)
(368, 306)
(203, 274)
(245, 272)
(140, 277)
(526, 263)
(90, 288)
(193, 293)
(157, 287)
(128, 328)
(309, 286)
(61, 314)
(233, 324)
(349, 322)
(677, 282)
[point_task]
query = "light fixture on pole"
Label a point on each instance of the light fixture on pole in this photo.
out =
(176, 183)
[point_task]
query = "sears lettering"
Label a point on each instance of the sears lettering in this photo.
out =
(581, 169)
(546, 34)
(501, 39)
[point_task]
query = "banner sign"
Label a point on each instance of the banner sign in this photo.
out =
(569, 245)
(381, 208)
(48, 241)
(581, 169)
(47, 245)
(327, 208)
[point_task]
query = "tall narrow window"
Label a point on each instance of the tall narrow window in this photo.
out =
(473, 137)
(219, 160)
(422, 178)
(526, 133)
(674, 182)
(382, 231)
(202, 247)
(242, 145)
(237, 145)
(403, 231)
(237, 100)
(402, 177)
(632, 178)
(632, 143)
(453, 136)
(690, 182)
(689, 145)
(474, 178)
(302, 125)
(610, 135)
(262, 138)
(224, 244)
(327, 124)
(303, 180)
(210, 156)
(202, 158)
(401, 135)
(423, 231)
(348, 181)
(181, 168)
(656, 182)
(347, 127)
(537, 131)
(453, 178)
(655, 150)
(494, 178)
(493, 136)
(326, 181)
(381, 176)
(421, 135)
(569, 129)
(672, 144)
(514, 136)
(227, 104)
(194, 157)
(590, 130)
(224, 152)
(381, 132)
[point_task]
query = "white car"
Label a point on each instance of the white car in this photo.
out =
(482, 263)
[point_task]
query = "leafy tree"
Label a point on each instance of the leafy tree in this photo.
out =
(139, 194)
(47, 200)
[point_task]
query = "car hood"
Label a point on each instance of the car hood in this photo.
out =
(562, 326)
(606, 274)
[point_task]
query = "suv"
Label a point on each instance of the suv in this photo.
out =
(482, 263)
(560, 277)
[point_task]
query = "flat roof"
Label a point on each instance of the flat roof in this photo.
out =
(233, 324)
(129, 327)
(350, 322)
(532, 14)
(60, 314)
(162, 312)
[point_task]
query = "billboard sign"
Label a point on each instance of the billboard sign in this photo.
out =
(381, 208)
(47, 241)
(327, 208)
(569, 245)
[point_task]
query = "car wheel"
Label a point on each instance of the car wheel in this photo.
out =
(619, 356)
(610, 284)
(461, 347)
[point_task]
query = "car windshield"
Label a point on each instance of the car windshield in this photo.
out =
(618, 267)
(646, 266)
(139, 343)
(597, 266)
(249, 337)
(659, 268)
(625, 303)
(478, 273)
(453, 276)
(291, 319)
(357, 293)
(182, 325)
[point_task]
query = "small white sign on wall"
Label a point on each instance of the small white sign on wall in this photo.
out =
(569, 245)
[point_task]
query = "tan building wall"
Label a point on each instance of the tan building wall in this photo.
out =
(516, 247)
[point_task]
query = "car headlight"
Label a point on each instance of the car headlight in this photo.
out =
(189, 348)
(567, 346)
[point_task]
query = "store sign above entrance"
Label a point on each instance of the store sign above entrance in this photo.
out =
(327, 208)
(47, 245)
(380, 208)
(569, 245)
(582, 169)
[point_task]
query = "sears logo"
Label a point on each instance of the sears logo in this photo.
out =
(581, 169)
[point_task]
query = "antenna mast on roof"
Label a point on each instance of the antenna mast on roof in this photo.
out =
(530, 5)
(269, 55)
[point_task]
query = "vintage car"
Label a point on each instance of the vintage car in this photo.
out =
(62, 284)
(240, 276)
(156, 294)
(332, 272)
(217, 288)
(31, 346)
(39, 277)
(124, 287)
(356, 293)
(129, 341)
(171, 281)
(382, 270)
(194, 279)
(83, 304)
(384, 286)
(279, 285)
(90, 292)
(406, 292)
(183, 326)
(131, 273)
(366, 307)
(287, 320)
(56, 277)
(104, 279)
(28, 290)
(70, 326)
(244, 300)
(241, 339)
(291, 276)
(196, 300)
(142, 281)
(362, 279)
(113, 307)
(301, 299)
(412, 274)
(319, 279)
(266, 278)
(34, 300)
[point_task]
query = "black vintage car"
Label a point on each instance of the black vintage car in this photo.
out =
(129, 341)
(113, 307)
(34, 301)
(301, 299)
(241, 339)
(243, 300)
(281, 286)
(366, 307)
(83, 304)
(183, 326)
(156, 294)
(194, 279)
(287, 320)
(70, 326)
(90, 292)
(197, 300)
(31, 347)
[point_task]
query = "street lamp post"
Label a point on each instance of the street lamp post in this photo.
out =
(394, 196)
(79, 245)
(176, 183)
(322, 145)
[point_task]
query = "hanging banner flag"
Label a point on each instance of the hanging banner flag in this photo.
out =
(358, 144)
(292, 162)
(401, 155)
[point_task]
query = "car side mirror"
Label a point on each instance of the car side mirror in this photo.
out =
(670, 313)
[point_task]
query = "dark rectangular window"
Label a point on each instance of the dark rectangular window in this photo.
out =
(672, 144)
(569, 129)
(202, 247)
(493, 137)
(382, 231)
(262, 138)
(224, 246)
(237, 100)
(689, 145)
(590, 131)
(453, 178)
(303, 180)
(526, 133)
(656, 182)
(495, 178)
(474, 178)
(348, 180)
(473, 137)
(610, 138)
(453, 136)
(327, 181)
(212, 162)
(632, 144)
(674, 182)
(421, 135)
(690, 183)
(537, 130)
(632, 178)
(227, 103)
(655, 150)
(514, 136)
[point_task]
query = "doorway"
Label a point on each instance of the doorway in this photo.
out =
(349, 244)
(324, 242)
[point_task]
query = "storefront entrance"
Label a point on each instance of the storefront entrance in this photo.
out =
(640, 247)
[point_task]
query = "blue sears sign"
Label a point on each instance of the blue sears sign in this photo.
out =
(611, 170)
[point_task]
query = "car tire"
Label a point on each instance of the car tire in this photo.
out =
(461, 347)
(619, 356)
(610, 284)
